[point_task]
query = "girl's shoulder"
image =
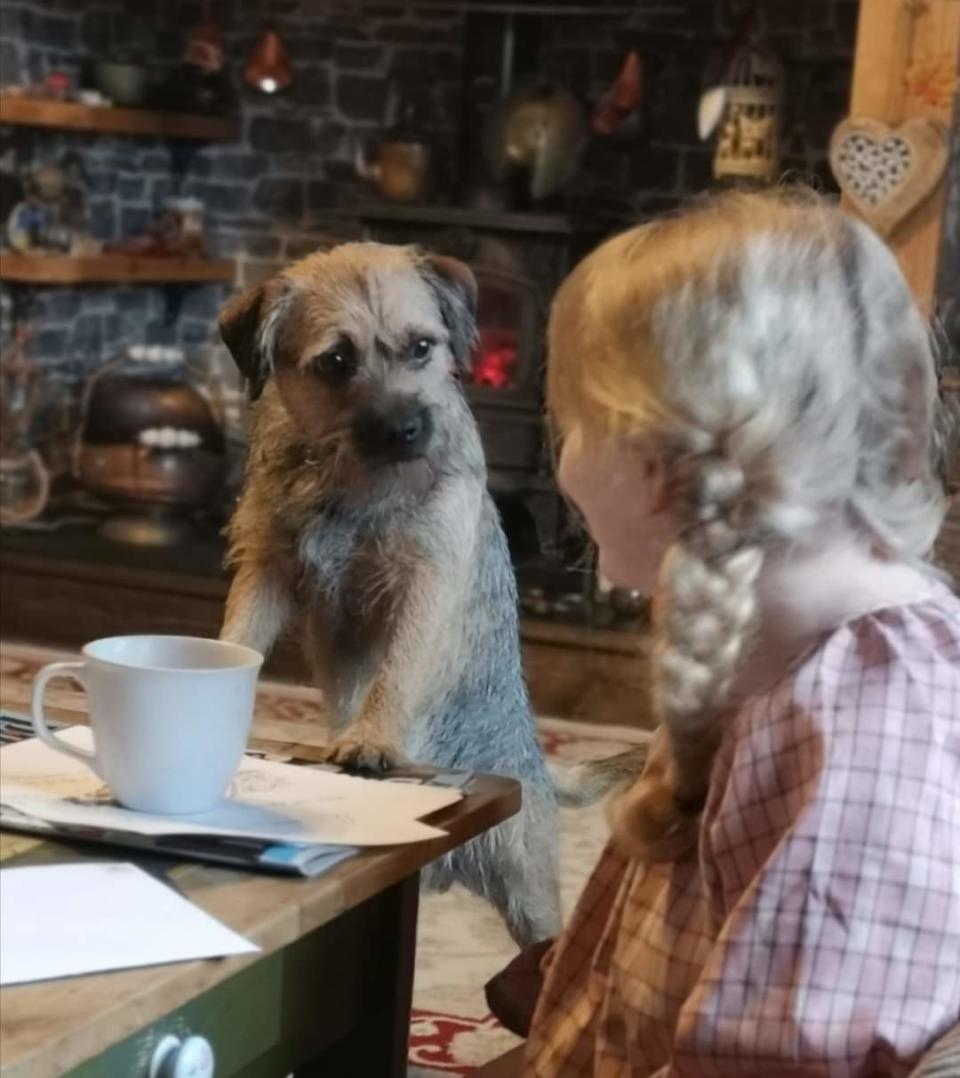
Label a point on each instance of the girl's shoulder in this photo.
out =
(870, 717)
(891, 656)
(892, 669)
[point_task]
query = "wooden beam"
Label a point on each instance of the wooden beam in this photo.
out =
(892, 35)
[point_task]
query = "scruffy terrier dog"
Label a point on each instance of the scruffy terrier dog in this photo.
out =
(366, 518)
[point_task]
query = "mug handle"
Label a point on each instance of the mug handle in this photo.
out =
(70, 670)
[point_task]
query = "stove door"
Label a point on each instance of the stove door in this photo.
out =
(503, 385)
(505, 362)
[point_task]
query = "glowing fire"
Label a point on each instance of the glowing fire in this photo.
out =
(495, 359)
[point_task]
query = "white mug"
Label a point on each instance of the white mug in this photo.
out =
(170, 717)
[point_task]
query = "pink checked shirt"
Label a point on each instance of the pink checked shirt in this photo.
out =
(817, 932)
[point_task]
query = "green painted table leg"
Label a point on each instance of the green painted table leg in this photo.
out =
(377, 1046)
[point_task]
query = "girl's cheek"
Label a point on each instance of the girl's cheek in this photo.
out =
(615, 487)
(571, 478)
(594, 483)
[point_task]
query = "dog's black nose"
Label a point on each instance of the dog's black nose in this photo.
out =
(398, 433)
(408, 430)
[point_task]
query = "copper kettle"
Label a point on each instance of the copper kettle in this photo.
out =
(402, 169)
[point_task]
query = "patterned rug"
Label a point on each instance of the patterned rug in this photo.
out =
(461, 941)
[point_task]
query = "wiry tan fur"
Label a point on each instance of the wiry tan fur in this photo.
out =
(302, 452)
(394, 573)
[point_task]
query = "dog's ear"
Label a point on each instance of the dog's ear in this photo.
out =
(247, 326)
(455, 287)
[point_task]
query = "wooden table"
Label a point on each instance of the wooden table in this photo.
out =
(329, 994)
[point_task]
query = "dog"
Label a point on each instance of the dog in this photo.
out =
(365, 521)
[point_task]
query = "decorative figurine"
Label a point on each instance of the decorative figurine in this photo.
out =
(53, 213)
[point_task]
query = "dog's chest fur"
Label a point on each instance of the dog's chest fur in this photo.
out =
(359, 557)
(361, 568)
(357, 573)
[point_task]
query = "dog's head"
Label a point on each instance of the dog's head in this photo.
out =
(364, 343)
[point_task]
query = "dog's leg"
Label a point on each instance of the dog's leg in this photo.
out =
(413, 669)
(522, 875)
(514, 867)
(258, 608)
(528, 899)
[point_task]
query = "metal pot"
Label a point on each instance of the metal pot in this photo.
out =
(535, 138)
(149, 440)
(124, 84)
(137, 475)
(402, 170)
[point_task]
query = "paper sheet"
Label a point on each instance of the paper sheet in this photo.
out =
(64, 920)
(267, 800)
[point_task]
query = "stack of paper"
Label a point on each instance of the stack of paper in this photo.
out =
(290, 814)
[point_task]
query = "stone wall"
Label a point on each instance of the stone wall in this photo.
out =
(686, 47)
(286, 185)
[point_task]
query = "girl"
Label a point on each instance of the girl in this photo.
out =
(746, 399)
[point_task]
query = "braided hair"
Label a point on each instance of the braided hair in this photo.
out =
(770, 351)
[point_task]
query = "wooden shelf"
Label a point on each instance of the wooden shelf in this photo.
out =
(103, 269)
(33, 112)
(458, 216)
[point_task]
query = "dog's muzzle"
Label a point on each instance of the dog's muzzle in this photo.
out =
(394, 434)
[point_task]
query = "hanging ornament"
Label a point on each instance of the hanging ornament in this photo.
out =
(746, 111)
(201, 83)
(268, 68)
(622, 99)
(887, 172)
(204, 49)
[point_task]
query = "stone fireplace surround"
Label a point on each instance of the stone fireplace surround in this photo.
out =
(288, 185)
(283, 189)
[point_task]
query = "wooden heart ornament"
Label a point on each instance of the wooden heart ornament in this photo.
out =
(887, 172)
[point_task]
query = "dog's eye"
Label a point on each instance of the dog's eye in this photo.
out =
(421, 348)
(337, 365)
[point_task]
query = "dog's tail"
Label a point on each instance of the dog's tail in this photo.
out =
(584, 783)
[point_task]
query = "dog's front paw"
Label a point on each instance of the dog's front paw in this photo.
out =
(363, 754)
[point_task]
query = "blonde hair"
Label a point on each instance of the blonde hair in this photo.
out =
(771, 352)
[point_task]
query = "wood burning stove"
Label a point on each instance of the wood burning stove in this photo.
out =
(503, 385)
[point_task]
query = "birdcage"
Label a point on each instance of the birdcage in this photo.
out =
(748, 144)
